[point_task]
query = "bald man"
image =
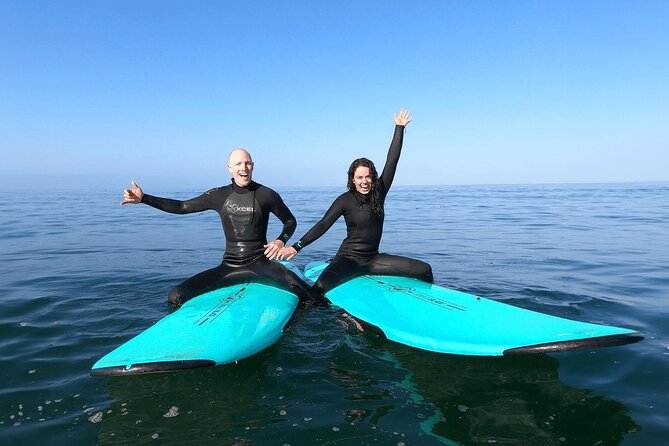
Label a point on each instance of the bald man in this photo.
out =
(244, 207)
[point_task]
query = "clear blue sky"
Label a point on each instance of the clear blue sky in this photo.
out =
(500, 91)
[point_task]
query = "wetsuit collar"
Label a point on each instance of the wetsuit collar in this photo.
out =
(360, 198)
(240, 189)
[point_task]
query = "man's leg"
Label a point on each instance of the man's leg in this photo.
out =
(278, 275)
(209, 280)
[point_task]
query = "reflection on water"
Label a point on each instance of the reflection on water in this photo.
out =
(340, 386)
(178, 407)
(510, 400)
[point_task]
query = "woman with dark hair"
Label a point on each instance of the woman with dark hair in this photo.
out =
(362, 208)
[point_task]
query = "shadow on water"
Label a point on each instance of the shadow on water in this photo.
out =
(508, 400)
(202, 405)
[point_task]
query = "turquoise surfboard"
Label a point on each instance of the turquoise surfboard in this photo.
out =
(218, 327)
(438, 319)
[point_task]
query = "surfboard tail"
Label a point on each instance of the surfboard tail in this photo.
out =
(577, 344)
(151, 367)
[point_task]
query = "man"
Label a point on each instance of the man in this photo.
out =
(244, 207)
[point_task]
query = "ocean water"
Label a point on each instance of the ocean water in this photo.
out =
(81, 275)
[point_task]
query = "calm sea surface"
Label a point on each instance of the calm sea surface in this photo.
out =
(81, 275)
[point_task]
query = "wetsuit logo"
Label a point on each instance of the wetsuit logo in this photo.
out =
(234, 208)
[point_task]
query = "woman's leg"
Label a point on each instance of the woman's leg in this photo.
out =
(391, 265)
(338, 271)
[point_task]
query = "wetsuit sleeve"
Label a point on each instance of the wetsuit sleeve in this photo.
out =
(393, 158)
(198, 204)
(279, 208)
(335, 211)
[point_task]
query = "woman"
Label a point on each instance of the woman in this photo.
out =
(362, 207)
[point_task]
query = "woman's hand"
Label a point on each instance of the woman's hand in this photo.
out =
(403, 118)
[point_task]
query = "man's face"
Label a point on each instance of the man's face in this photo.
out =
(240, 166)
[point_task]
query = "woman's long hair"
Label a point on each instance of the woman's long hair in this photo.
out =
(375, 191)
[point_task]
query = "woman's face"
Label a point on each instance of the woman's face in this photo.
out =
(362, 179)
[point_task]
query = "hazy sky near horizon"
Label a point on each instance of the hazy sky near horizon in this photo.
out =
(500, 92)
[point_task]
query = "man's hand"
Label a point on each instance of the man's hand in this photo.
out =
(287, 253)
(272, 249)
(134, 195)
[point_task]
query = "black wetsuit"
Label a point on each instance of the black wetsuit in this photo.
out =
(359, 252)
(244, 213)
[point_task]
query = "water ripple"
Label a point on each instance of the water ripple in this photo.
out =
(79, 280)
